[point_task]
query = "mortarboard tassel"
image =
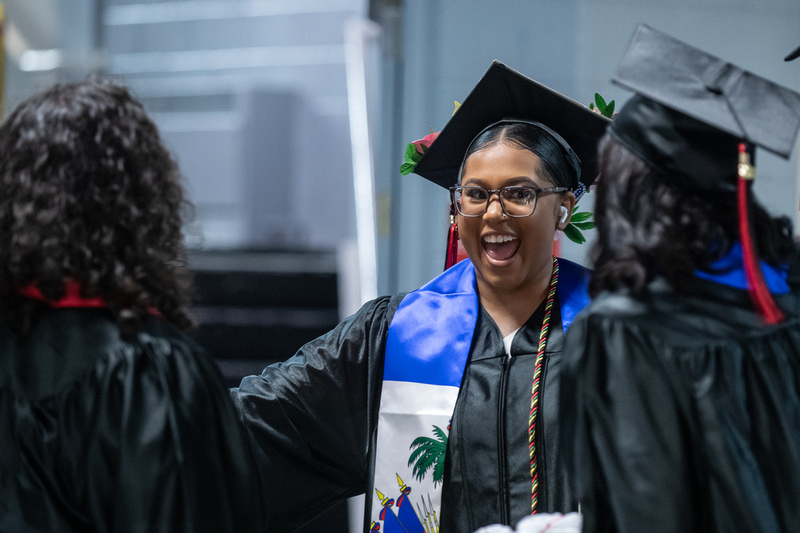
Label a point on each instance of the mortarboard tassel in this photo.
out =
(452, 241)
(759, 294)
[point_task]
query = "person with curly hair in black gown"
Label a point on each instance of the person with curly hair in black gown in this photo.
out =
(112, 418)
(685, 368)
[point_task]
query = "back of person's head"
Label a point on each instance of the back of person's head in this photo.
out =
(677, 169)
(526, 136)
(650, 224)
(89, 194)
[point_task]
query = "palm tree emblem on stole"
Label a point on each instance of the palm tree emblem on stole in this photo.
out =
(428, 454)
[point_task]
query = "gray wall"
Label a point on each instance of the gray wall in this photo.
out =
(252, 97)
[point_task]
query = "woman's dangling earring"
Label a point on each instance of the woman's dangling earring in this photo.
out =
(452, 240)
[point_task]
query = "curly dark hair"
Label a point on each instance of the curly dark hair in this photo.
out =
(89, 193)
(649, 226)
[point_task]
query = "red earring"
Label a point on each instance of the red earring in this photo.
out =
(452, 241)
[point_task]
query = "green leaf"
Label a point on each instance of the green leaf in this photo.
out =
(574, 234)
(609, 112)
(601, 104)
(411, 155)
(407, 168)
(591, 106)
(585, 225)
(411, 158)
(580, 217)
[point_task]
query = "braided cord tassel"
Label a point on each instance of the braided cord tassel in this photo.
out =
(537, 374)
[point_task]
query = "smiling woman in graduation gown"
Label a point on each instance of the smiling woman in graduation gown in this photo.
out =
(416, 399)
(686, 366)
(314, 419)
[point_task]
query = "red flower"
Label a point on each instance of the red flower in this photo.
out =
(423, 144)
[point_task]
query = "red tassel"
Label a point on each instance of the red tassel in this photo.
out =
(455, 250)
(452, 246)
(759, 294)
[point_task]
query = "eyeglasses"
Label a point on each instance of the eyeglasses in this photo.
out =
(515, 201)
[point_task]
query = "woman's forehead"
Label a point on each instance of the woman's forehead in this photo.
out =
(503, 162)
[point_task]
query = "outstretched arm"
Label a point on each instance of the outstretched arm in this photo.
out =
(310, 419)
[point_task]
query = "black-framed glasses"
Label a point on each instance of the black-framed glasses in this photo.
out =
(516, 201)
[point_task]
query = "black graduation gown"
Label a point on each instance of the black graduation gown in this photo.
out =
(687, 412)
(105, 434)
(313, 419)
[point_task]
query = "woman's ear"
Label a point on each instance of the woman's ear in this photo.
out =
(565, 210)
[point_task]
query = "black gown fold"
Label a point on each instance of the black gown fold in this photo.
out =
(101, 433)
(687, 412)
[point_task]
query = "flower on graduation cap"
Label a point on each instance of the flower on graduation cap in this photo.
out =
(416, 149)
(423, 144)
(414, 153)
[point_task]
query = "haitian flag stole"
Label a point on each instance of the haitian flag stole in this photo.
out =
(426, 352)
(427, 348)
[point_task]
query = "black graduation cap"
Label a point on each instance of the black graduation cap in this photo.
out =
(503, 93)
(794, 55)
(693, 109)
(693, 117)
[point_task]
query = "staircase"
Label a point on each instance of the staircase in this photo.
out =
(257, 307)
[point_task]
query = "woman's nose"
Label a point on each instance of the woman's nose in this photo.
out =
(495, 207)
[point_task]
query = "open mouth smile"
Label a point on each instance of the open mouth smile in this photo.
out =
(500, 247)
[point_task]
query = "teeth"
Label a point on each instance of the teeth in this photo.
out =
(498, 238)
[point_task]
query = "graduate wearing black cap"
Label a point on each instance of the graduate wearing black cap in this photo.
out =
(687, 362)
(441, 404)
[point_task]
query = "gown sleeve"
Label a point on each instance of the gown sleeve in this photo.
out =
(626, 442)
(149, 441)
(311, 419)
